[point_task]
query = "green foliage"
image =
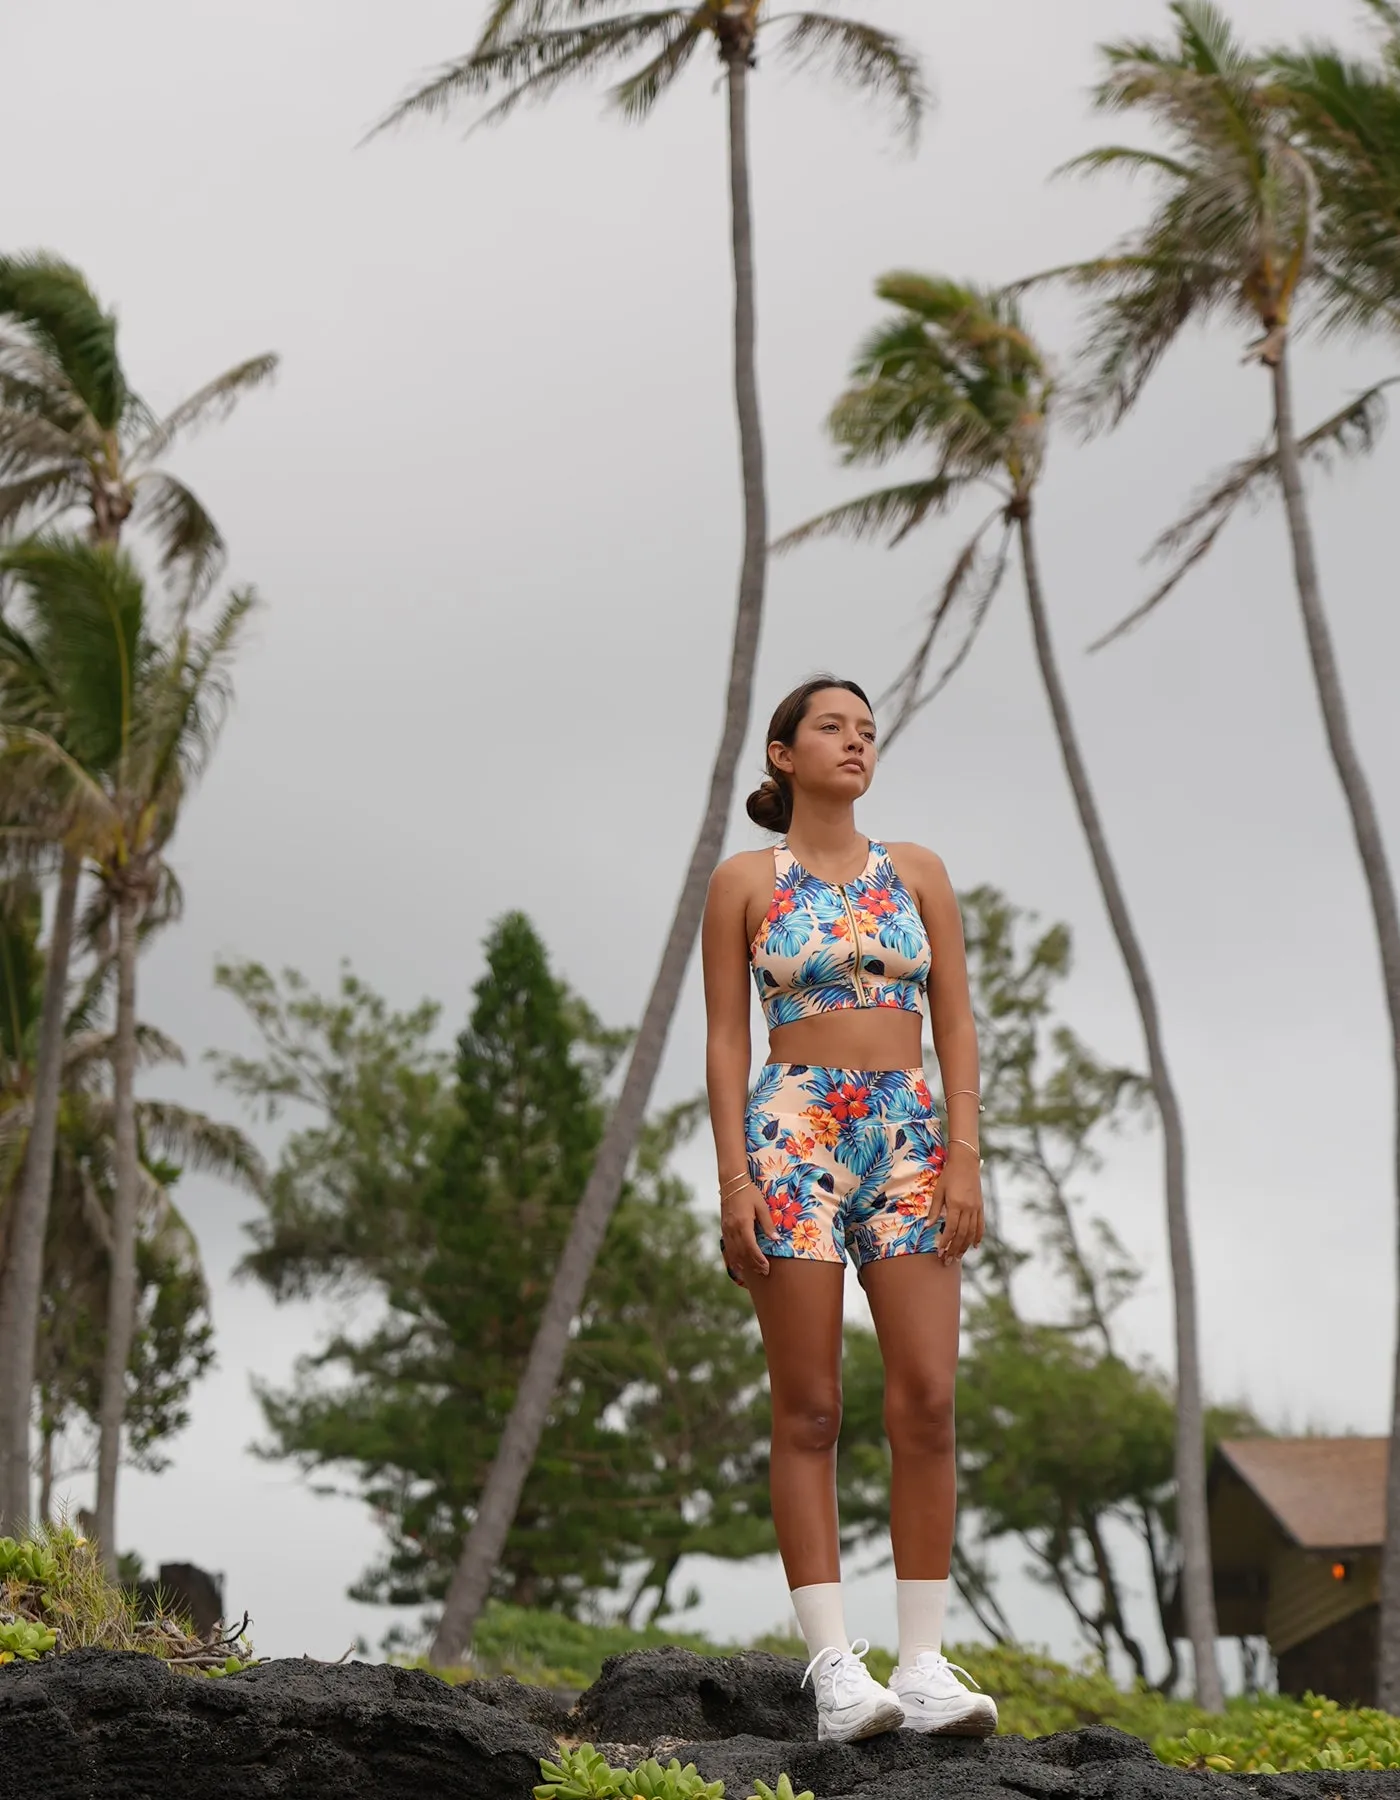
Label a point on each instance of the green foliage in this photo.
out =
(173, 1344)
(649, 1781)
(1266, 1736)
(75, 436)
(29, 1561)
(783, 1791)
(584, 1774)
(551, 1649)
(25, 1640)
(449, 1204)
(55, 1596)
(528, 50)
(580, 1774)
(1060, 1431)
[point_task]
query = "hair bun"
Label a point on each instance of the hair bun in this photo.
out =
(770, 806)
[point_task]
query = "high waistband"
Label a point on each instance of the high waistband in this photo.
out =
(793, 1068)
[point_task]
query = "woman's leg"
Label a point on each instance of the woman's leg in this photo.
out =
(798, 1303)
(915, 1302)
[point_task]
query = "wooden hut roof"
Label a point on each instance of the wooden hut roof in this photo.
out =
(1326, 1493)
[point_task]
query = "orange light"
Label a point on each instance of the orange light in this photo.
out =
(1339, 1571)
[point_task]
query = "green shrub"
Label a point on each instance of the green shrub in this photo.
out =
(55, 1596)
(584, 1774)
(1262, 1737)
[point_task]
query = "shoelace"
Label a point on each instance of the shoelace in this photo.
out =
(858, 1651)
(939, 1663)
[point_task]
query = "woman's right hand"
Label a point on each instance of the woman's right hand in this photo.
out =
(742, 1216)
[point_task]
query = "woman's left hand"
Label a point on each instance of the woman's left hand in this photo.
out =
(958, 1200)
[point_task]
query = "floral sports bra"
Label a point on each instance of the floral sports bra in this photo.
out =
(825, 947)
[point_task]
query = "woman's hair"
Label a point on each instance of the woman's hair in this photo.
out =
(771, 805)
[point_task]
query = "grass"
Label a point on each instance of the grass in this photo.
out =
(55, 1596)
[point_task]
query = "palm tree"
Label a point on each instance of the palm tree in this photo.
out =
(957, 375)
(526, 50)
(1249, 225)
(74, 437)
(174, 1139)
(1346, 115)
(1345, 112)
(152, 707)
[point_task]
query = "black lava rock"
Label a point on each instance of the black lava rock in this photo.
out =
(537, 1706)
(93, 1725)
(674, 1694)
(97, 1726)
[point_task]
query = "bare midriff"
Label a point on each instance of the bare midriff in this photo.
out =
(868, 1037)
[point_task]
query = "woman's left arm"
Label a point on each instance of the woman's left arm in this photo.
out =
(959, 1191)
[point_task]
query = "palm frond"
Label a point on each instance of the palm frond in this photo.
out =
(191, 545)
(1352, 431)
(50, 491)
(894, 511)
(198, 1142)
(861, 57)
(89, 1046)
(905, 686)
(28, 437)
(213, 402)
(53, 302)
(532, 64)
(514, 18)
(1123, 156)
(638, 94)
(187, 702)
(85, 607)
(973, 576)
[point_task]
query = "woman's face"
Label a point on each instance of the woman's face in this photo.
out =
(833, 751)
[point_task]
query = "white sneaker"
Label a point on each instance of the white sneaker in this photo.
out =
(850, 1702)
(935, 1700)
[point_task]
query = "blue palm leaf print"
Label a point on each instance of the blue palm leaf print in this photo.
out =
(872, 1182)
(823, 968)
(902, 934)
(861, 1145)
(770, 1079)
(925, 1139)
(784, 1009)
(786, 935)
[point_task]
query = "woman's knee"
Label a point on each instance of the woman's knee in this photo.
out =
(919, 1414)
(809, 1422)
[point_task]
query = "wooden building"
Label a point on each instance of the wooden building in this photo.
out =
(1296, 1529)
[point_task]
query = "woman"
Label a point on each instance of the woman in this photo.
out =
(838, 1152)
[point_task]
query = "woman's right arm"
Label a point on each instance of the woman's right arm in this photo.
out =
(724, 951)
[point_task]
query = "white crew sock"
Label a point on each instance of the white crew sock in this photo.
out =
(922, 1607)
(821, 1616)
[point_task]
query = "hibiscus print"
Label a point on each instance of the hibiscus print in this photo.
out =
(804, 960)
(847, 1160)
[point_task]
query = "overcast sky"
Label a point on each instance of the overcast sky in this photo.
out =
(492, 505)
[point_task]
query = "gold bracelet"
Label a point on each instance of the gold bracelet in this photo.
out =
(966, 1146)
(958, 1092)
(734, 1181)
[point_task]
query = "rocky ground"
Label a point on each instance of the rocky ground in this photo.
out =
(96, 1725)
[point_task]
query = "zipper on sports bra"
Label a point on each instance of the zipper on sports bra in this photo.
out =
(855, 949)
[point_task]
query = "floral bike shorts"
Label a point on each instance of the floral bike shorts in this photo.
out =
(847, 1160)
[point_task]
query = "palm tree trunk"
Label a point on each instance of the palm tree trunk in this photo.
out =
(1381, 888)
(46, 1474)
(519, 1443)
(23, 1278)
(121, 1284)
(1197, 1585)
